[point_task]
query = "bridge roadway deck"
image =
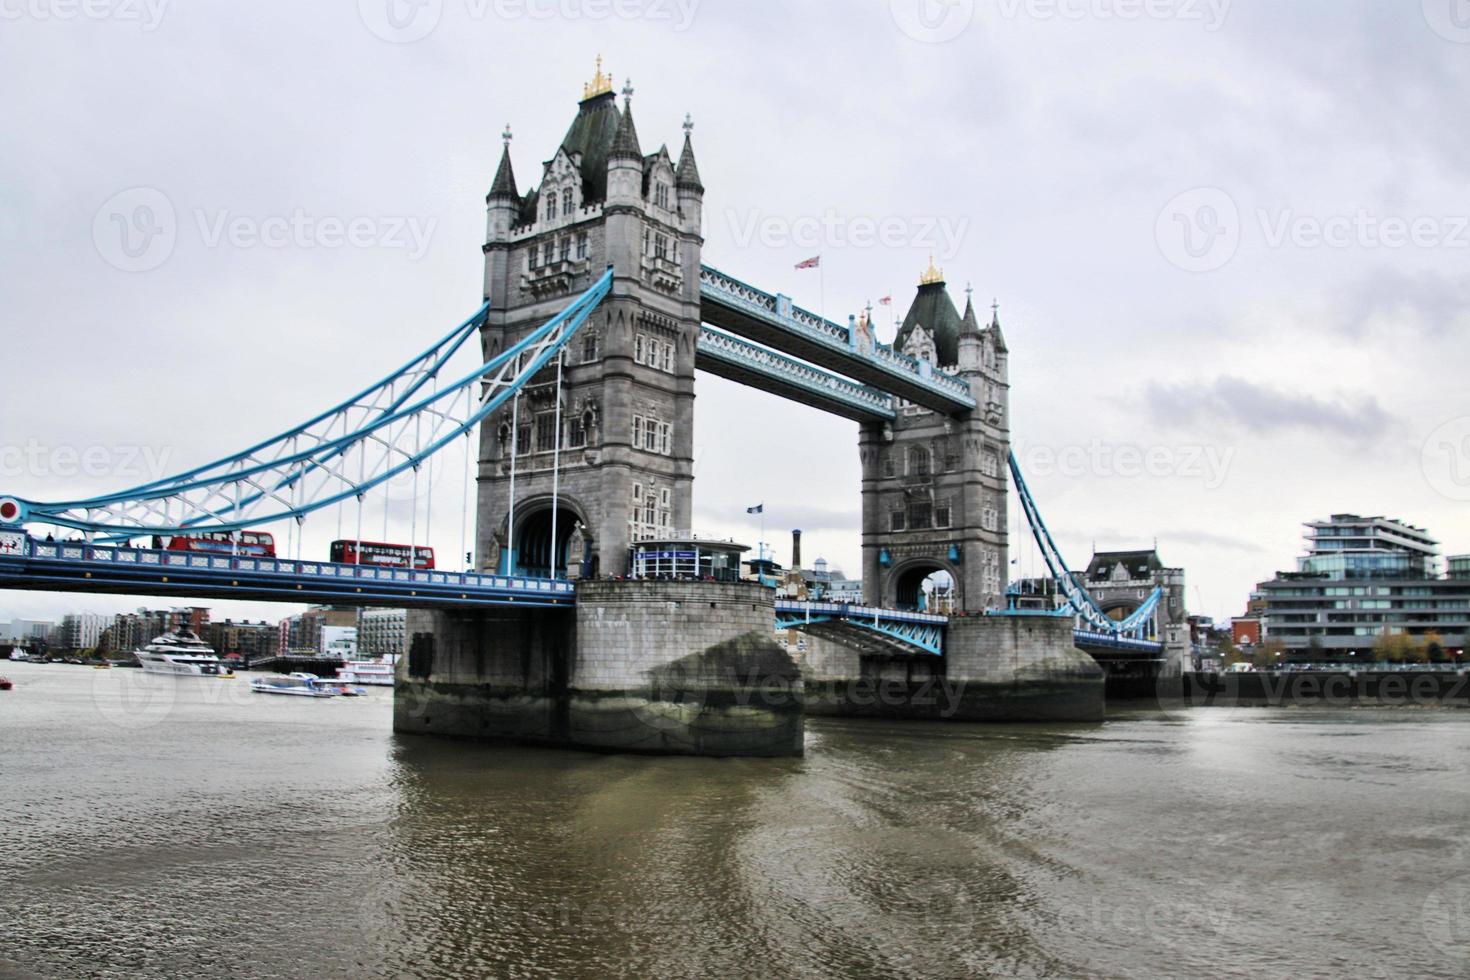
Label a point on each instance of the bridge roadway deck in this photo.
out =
(772, 321)
(80, 567)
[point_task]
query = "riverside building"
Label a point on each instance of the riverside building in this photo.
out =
(1361, 578)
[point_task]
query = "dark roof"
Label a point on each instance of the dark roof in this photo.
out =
(936, 311)
(625, 140)
(688, 172)
(1138, 564)
(969, 324)
(505, 179)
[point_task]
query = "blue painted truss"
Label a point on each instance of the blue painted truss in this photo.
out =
(920, 632)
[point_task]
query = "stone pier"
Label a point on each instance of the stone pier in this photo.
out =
(685, 668)
(995, 669)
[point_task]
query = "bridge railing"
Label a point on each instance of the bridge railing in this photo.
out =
(68, 552)
(723, 346)
(764, 305)
(847, 611)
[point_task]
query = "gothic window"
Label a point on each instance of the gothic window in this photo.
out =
(545, 432)
(545, 253)
(888, 466)
(638, 348)
(566, 201)
(921, 515)
(566, 249)
(589, 347)
(551, 205)
(637, 431)
(668, 357)
(990, 464)
(918, 461)
(660, 246)
(523, 438)
(582, 245)
(941, 515)
(576, 434)
(661, 195)
(895, 521)
(531, 257)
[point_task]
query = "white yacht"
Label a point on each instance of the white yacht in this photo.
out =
(180, 653)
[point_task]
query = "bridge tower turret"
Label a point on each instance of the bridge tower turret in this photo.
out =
(627, 395)
(934, 486)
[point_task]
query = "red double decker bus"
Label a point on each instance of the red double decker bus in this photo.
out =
(378, 553)
(256, 544)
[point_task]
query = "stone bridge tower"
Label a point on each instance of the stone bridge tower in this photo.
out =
(627, 399)
(934, 486)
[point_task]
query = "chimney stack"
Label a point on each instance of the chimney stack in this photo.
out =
(796, 550)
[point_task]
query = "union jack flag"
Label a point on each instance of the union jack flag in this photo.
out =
(814, 262)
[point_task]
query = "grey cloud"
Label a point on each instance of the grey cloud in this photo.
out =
(1237, 403)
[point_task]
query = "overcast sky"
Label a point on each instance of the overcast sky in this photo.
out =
(1229, 240)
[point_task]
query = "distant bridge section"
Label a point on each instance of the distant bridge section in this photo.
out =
(26, 563)
(750, 364)
(775, 322)
(888, 631)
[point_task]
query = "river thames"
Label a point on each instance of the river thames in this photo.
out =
(162, 827)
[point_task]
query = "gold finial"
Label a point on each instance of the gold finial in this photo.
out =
(601, 83)
(931, 275)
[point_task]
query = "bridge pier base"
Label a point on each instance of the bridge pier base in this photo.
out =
(675, 668)
(995, 669)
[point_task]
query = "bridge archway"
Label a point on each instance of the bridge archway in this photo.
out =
(913, 584)
(573, 546)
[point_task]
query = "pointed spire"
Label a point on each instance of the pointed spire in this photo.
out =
(505, 177)
(688, 173)
(970, 323)
(625, 143)
(1000, 338)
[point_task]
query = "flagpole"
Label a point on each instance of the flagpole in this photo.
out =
(822, 286)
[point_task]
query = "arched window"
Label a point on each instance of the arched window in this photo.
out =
(918, 461)
(551, 205)
(566, 201)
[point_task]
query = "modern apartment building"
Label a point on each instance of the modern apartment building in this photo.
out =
(1363, 577)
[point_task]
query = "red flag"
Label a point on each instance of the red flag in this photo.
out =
(886, 301)
(811, 263)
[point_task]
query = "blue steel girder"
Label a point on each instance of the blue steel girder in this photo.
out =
(758, 367)
(338, 456)
(920, 632)
(775, 322)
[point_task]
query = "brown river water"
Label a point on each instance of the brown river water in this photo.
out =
(161, 827)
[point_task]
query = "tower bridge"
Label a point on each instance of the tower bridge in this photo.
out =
(597, 312)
